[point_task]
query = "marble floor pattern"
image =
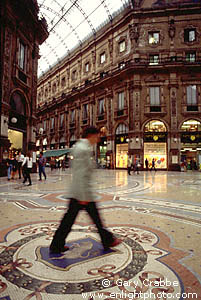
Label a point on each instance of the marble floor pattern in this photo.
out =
(156, 214)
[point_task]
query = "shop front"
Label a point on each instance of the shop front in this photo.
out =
(155, 144)
(121, 146)
(190, 136)
(102, 152)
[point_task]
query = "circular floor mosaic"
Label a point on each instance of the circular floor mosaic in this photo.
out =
(26, 262)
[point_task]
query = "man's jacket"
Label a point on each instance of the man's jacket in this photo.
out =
(82, 169)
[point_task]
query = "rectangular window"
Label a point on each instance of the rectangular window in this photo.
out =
(189, 35)
(122, 46)
(72, 116)
(154, 38)
(62, 120)
(85, 111)
(21, 58)
(44, 125)
(154, 96)
(154, 59)
(52, 123)
(63, 81)
(101, 109)
(191, 95)
(102, 58)
(74, 75)
(191, 57)
(121, 101)
(87, 67)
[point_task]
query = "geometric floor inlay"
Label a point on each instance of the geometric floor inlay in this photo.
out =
(131, 267)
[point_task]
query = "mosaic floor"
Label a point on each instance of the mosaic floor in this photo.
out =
(156, 214)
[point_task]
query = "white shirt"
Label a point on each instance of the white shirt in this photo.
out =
(29, 162)
(20, 158)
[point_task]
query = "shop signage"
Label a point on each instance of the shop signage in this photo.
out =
(191, 137)
(121, 139)
(155, 137)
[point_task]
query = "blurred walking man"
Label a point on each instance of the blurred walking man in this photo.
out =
(81, 196)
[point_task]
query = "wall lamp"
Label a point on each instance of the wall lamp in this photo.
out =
(137, 139)
(14, 120)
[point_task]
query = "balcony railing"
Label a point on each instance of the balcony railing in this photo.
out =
(137, 63)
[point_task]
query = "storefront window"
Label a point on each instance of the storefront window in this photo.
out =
(121, 155)
(121, 146)
(158, 152)
(155, 144)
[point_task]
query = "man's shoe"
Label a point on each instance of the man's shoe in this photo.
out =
(56, 251)
(115, 243)
(29, 184)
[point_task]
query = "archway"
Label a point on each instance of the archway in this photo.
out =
(190, 134)
(17, 122)
(102, 148)
(155, 143)
(121, 145)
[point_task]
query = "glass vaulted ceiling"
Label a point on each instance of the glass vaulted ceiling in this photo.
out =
(70, 22)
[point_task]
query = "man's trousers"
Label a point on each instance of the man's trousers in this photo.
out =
(68, 220)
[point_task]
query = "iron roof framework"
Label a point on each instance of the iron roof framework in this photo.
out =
(70, 22)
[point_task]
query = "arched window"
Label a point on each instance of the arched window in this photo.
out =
(155, 126)
(191, 125)
(17, 103)
(121, 129)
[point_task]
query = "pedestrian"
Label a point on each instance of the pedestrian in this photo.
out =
(41, 166)
(15, 166)
(129, 164)
(20, 159)
(153, 165)
(81, 196)
(9, 166)
(136, 166)
(147, 164)
(63, 163)
(27, 167)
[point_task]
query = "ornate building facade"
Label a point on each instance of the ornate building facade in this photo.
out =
(21, 34)
(138, 80)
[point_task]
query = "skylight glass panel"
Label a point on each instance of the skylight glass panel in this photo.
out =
(69, 23)
(98, 16)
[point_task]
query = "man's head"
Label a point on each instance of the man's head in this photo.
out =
(41, 153)
(92, 134)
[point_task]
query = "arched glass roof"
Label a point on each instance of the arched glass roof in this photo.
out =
(70, 22)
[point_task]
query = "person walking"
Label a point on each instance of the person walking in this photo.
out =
(20, 159)
(9, 166)
(129, 164)
(15, 167)
(81, 196)
(153, 165)
(136, 166)
(147, 164)
(41, 166)
(27, 167)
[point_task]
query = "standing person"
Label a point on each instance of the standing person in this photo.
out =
(41, 166)
(137, 166)
(15, 166)
(129, 164)
(9, 166)
(27, 166)
(81, 195)
(20, 160)
(63, 164)
(147, 164)
(153, 165)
